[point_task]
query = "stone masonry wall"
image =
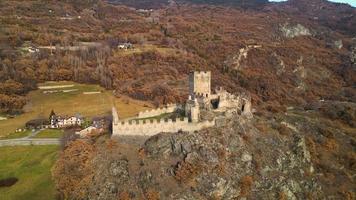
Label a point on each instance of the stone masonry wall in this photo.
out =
(169, 108)
(153, 127)
(199, 83)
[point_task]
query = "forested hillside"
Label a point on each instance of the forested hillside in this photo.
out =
(278, 53)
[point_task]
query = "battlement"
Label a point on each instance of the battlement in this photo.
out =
(202, 73)
(169, 108)
(152, 127)
(134, 122)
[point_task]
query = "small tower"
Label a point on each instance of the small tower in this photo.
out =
(115, 121)
(195, 112)
(115, 116)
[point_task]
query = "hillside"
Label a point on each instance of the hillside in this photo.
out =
(252, 52)
(144, 4)
(297, 60)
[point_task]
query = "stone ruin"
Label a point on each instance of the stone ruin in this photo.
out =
(199, 105)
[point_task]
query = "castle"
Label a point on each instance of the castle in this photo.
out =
(200, 102)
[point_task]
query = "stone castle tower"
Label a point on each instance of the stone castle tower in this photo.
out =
(200, 84)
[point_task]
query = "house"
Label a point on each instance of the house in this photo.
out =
(37, 124)
(63, 122)
(101, 122)
(125, 46)
(33, 49)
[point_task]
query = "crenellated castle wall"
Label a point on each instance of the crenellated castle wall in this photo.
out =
(200, 97)
(169, 108)
(153, 127)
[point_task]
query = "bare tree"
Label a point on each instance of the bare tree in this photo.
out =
(102, 70)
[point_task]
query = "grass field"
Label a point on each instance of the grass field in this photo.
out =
(16, 135)
(32, 167)
(50, 133)
(70, 103)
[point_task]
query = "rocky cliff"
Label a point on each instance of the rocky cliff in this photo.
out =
(295, 155)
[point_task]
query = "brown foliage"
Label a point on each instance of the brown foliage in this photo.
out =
(283, 130)
(124, 196)
(331, 144)
(152, 194)
(185, 172)
(193, 37)
(282, 196)
(246, 185)
(74, 169)
(11, 103)
(262, 127)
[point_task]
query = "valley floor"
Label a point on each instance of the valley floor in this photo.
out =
(84, 99)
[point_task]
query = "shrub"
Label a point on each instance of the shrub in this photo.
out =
(262, 127)
(246, 185)
(283, 130)
(185, 172)
(331, 144)
(152, 194)
(124, 196)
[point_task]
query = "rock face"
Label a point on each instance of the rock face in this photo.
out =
(226, 157)
(236, 62)
(281, 156)
(353, 52)
(292, 31)
(338, 44)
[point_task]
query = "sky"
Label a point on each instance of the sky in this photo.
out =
(351, 2)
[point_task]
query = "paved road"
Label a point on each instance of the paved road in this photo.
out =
(33, 134)
(30, 141)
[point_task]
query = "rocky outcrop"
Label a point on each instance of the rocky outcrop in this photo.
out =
(112, 174)
(271, 157)
(279, 64)
(353, 52)
(301, 74)
(225, 158)
(291, 31)
(338, 44)
(236, 61)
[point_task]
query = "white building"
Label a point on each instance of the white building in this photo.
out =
(62, 122)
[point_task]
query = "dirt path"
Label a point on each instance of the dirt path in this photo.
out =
(54, 87)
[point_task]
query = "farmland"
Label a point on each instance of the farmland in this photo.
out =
(85, 99)
(32, 167)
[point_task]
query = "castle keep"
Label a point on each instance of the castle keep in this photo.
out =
(200, 102)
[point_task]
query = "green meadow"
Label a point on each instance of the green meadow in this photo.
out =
(50, 133)
(31, 165)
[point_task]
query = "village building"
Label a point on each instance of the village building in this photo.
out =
(101, 122)
(37, 124)
(63, 122)
(125, 46)
(200, 104)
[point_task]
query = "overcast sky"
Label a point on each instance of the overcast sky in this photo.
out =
(351, 2)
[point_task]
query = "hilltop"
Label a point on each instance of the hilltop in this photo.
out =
(296, 59)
